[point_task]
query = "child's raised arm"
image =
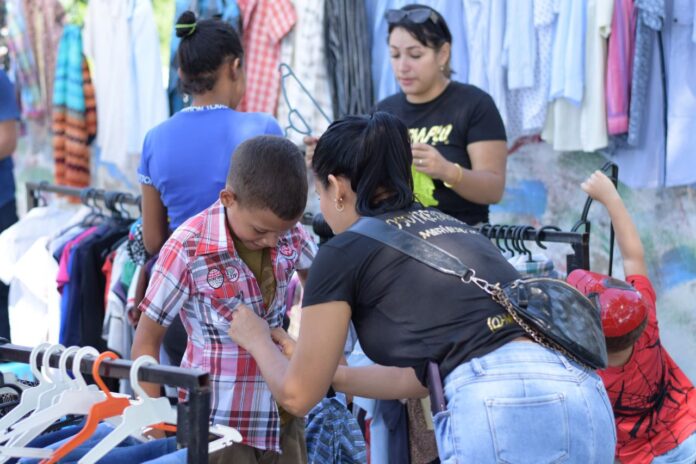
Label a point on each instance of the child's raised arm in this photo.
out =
(601, 189)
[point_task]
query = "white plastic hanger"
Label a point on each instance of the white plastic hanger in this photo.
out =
(61, 376)
(30, 397)
(229, 436)
(144, 412)
(77, 399)
(45, 399)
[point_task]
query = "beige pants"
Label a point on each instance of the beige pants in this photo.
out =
(292, 442)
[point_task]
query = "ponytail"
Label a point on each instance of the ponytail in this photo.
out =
(374, 153)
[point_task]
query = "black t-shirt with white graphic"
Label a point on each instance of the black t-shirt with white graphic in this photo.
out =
(461, 115)
(406, 313)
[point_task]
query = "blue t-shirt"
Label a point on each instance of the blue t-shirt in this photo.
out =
(186, 158)
(9, 111)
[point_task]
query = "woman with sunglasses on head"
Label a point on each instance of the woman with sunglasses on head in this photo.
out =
(457, 134)
(508, 399)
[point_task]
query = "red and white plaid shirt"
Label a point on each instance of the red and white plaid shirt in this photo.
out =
(200, 276)
(264, 24)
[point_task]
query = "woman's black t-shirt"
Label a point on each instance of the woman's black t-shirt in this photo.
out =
(460, 115)
(406, 313)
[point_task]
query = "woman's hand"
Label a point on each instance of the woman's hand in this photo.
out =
(284, 340)
(248, 329)
(428, 160)
(311, 143)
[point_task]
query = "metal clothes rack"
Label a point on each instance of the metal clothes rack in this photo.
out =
(579, 241)
(193, 416)
(34, 198)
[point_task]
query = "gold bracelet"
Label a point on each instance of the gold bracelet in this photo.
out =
(459, 177)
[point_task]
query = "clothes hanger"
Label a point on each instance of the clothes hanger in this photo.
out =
(30, 397)
(286, 72)
(16, 448)
(537, 239)
(74, 401)
(485, 229)
(111, 406)
(509, 234)
(525, 250)
(142, 413)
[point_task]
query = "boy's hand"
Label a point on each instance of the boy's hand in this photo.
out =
(246, 328)
(600, 188)
(282, 338)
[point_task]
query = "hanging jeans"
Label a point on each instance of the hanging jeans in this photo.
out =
(524, 403)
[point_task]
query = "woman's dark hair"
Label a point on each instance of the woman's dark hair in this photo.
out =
(204, 46)
(374, 153)
(432, 33)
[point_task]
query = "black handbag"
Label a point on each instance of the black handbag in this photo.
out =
(552, 312)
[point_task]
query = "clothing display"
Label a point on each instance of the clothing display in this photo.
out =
(461, 115)
(306, 57)
(264, 25)
(129, 93)
(74, 112)
(347, 57)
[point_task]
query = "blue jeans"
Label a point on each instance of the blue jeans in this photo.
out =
(685, 453)
(525, 404)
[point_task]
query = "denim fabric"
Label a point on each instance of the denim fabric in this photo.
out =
(177, 457)
(128, 451)
(523, 403)
(685, 453)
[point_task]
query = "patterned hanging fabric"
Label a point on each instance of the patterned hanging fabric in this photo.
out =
(74, 112)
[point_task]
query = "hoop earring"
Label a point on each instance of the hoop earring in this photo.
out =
(338, 204)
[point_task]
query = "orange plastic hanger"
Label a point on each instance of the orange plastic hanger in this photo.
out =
(110, 407)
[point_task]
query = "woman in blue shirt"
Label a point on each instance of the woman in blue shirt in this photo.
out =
(186, 158)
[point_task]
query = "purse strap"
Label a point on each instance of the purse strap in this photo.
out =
(420, 250)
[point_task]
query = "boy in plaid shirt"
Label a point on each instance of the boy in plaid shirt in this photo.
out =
(242, 249)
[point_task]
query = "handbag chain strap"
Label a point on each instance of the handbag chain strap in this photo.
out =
(439, 259)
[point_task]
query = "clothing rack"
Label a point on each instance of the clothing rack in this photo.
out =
(109, 198)
(579, 241)
(193, 416)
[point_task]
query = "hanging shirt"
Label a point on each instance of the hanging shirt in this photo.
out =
(200, 276)
(527, 107)
(122, 40)
(653, 401)
(304, 50)
(34, 301)
(264, 24)
(583, 127)
(568, 59)
(680, 47)
(650, 18)
(619, 65)
(485, 34)
(22, 56)
(9, 111)
(187, 157)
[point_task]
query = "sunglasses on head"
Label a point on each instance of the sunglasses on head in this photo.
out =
(416, 16)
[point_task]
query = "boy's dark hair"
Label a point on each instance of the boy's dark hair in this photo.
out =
(374, 153)
(204, 46)
(269, 172)
(433, 33)
(615, 344)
